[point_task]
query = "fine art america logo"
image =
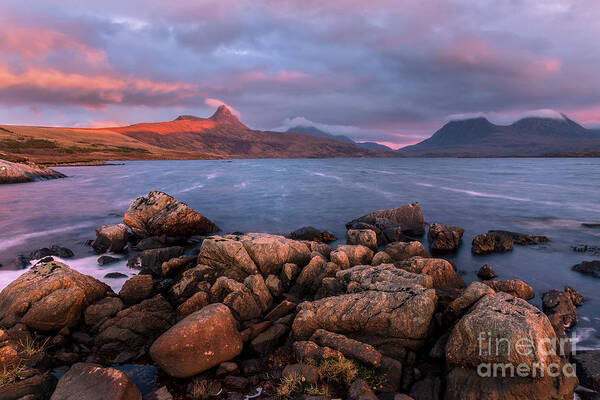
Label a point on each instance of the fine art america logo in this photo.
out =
(530, 358)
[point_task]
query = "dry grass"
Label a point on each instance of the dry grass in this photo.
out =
(200, 390)
(339, 370)
(10, 375)
(31, 347)
(289, 386)
(317, 390)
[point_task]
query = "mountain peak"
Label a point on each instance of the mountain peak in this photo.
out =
(223, 115)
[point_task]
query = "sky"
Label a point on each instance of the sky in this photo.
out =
(390, 71)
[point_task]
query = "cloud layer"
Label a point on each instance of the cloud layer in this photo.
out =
(391, 71)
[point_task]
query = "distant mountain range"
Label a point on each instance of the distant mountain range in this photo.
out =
(187, 137)
(311, 130)
(532, 136)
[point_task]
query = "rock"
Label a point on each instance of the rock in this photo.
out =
(402, 251)
(54, 250)
(236, 382)
(310, 373)
(157, 242)
(487, 243)
(409, 219)
(160, 394)
(363, 237)
(20, 262)
(560, 310)
(49, 297)
(271, 252)
(111, 238)
(198, 301)
(92, 382)
(268, 340)
(357, 254)
(38, 386)
(191, 281)
(504, 321)
(514, 287)
(588, 368)
(175, 265)
(255, 330)
(136, 325)
(289, 272)
(228, 256)
(522, 239)
(310, 352)
(385, 277)
(402, 316)
(136, 289)
(226, 368)
(312, 234)
(259, 289)
(21, 172)
(102, 310)
(359, 351)
(319, 247)
(470, 296)
(340, 258)
(160, 214)
(115, 275)
(106, 260)
(440, 270)
(359, 390)
(274, 285)
(236, 296)
(312, 274)
(575, 296)
(486, 272)
(381, 258)
(199, 342)
(426, 389)
(150, 261)
(444, 238)
(588, 268)
(282, 309)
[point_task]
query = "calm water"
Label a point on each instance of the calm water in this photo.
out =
(538, 196)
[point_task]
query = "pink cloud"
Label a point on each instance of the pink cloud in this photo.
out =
(217, 103)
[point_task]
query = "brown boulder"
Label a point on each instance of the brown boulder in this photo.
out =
(92, 382)
(444, 238)
(381, 258)
(50, 296)
(364, 237)
(402, 251)
(486, 272)
(160, 214)
(271, 252)
(136, 289)
(228, 256)
(490, 242)
(150, 261)
(199, 342)
(440, 270)
(236, 296)
(101, 310)
(112, 238)
(312, 234)
(383, 277)
(409, 219)
(198, 301)
(560, 309)
(365, 353)
(357, 254)
(514, 287)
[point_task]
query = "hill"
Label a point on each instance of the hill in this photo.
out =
(533, 136)
(311, 130)
(187, 137)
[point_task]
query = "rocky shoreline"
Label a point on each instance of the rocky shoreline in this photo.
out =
(22, 172)
(255, 315)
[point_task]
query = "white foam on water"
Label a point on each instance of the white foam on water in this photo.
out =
(20, 239)
(327, 176)
(583, 334)
(424, 184)
(191, 188)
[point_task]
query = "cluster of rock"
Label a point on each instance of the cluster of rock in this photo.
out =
(259, 314)
(21, 172)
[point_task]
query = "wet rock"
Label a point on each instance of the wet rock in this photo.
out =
(560, 309)
(49, 297)
(136, 325)
(360, 390)
(513, 287)
(381, 258)
(110, 238)
(444, 238)
(106, 260)
(357, 254)
(92, 382)
(502, 318)
(363, 237)
(522, 239)
(175, 265)
(312, 234)
(408, 219)
(102, 310)
(440, 270)
(588, 268)
(402, 316)
(199, 342)
(150, 261)
(136, 289)
(54, 250)
(359, 351)
(160, 214)
(588, 368)
(115, 275)
(402, 251)
(385, 277)
(486, 272)
(487, 243)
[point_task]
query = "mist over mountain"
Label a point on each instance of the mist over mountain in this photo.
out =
(311, 130)
(531, 136)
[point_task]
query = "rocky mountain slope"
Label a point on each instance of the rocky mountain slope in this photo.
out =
(311, 130)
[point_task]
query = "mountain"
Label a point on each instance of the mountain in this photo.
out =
(532, 136)
(311, 130)
(222, 135)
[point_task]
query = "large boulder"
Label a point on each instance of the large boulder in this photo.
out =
(396, 319)
(513, 287)
(444, 238)
(505, 333)
(381, 277)
(357, 254)
(111, 238)
(199, 342)
(228, 256)
(92, 382)
(150, 261)
(560, 309)
(364, 237)
(160, 214)
(440, 270)
(492, 242)
(591, 268)
(402, 251)
(312, 234)
(48, 297)
(136, 289)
